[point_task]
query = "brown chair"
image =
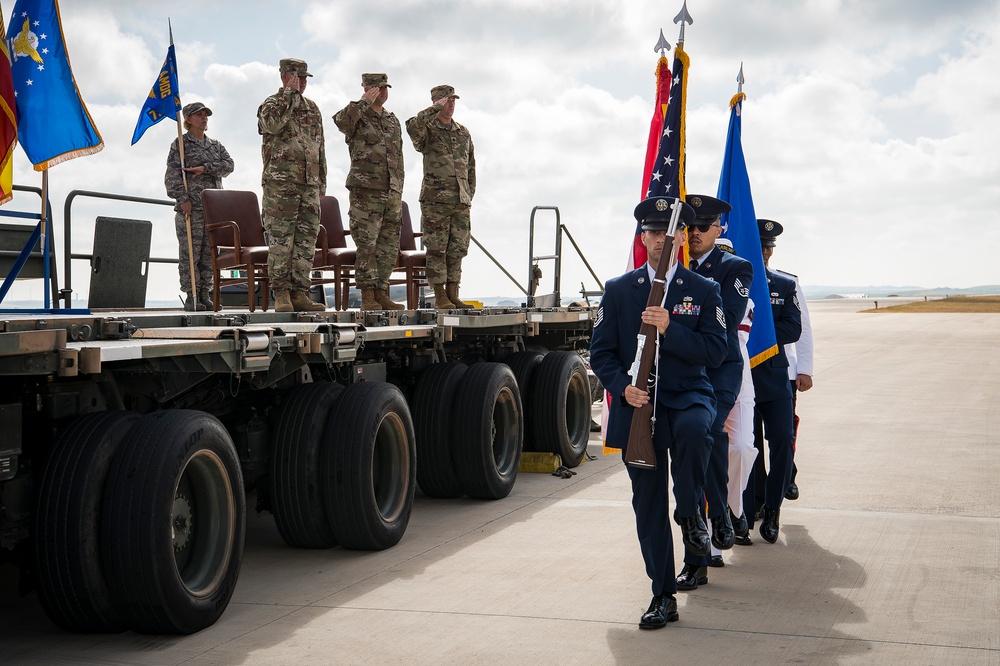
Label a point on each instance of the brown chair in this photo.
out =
(332, 253)
(236, 235)
(411, 261)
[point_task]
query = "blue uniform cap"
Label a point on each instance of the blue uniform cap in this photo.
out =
(706, 207)
(654, 213)
(769, 230)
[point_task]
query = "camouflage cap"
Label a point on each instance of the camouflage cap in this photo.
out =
(379, 79)
(294, 66)
(440, 92)
(193, 108)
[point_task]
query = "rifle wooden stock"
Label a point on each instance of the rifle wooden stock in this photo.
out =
(640, 452)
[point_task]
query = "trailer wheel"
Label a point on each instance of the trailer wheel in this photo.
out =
(560, 406)
(489, 434)
(433, 412)
(369, 458)
(524, 364)
(174, 522)
(68, 553)
(296, 480)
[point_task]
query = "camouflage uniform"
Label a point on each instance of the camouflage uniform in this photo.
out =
(375, 181)
(293, 180)
(447, 190)
(218, 164)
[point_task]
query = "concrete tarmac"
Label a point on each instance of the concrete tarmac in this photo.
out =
(890, 556)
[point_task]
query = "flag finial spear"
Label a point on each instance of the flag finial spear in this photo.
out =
(682, 18)
(662, 45)
(740, 80)
(170, 29)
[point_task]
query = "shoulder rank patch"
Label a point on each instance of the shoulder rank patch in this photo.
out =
(599, 317)
(721, 316)
(742, 290)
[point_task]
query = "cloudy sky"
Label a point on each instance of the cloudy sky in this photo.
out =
(869, 126)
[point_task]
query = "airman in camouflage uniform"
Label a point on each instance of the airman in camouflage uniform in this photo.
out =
(375, 182)
(293, 180)
(206, 163)
(446, 193)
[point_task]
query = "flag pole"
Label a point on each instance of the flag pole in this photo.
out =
(187, 214)
(43, 238)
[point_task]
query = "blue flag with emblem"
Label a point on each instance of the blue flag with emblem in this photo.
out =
(740, 227)
(53, 124)
(164, 100)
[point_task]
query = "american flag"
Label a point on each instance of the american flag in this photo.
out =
(667, 178)
(637, 256)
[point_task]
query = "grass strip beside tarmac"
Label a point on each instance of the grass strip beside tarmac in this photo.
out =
(990, 304)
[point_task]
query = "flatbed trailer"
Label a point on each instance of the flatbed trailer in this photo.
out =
(131, 439)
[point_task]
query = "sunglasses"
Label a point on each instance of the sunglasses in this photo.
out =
(703, 228)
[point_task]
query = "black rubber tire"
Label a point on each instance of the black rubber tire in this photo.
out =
(490, 431)
(296, 478)
(174, 522)
(68, 551)
(560, 407)
(369, 458)
(433, 412)
(524, 364)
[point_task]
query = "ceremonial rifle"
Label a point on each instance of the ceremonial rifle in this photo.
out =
(639, 452)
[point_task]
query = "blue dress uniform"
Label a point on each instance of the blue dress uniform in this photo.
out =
(774, 401)
(733, 275)
(684, 402)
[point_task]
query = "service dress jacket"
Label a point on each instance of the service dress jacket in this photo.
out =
(695, 340)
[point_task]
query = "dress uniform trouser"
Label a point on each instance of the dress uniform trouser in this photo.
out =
(651, 503)
(775, 419)
(717, 474)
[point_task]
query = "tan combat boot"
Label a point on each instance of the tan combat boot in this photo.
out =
(382, 297)
(368, 301)
(283, 301)
(302, 303)
(453, 296)
(441, 301)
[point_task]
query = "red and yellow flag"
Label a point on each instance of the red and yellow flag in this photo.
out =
(8, 120)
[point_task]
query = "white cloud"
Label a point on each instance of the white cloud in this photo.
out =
(867, 129)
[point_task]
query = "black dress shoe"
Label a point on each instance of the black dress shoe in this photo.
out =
(793, 492)
(691, 577)
(716, 561)
(722, 532)
(743, 540)
(740, 525)
(769, 524)
(662, 609)
(694, 534)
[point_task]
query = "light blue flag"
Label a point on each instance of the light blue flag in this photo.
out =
(53, 124)
(164, 100)
(740, 227)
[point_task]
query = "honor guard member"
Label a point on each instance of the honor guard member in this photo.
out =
(692, 336)
(773, 395)
(800, 369)
(206, 163)
(293, 180)
(733, 275)
(446, 193)
(375, 182)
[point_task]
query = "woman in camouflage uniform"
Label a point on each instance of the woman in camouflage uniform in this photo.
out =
(206, 163)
